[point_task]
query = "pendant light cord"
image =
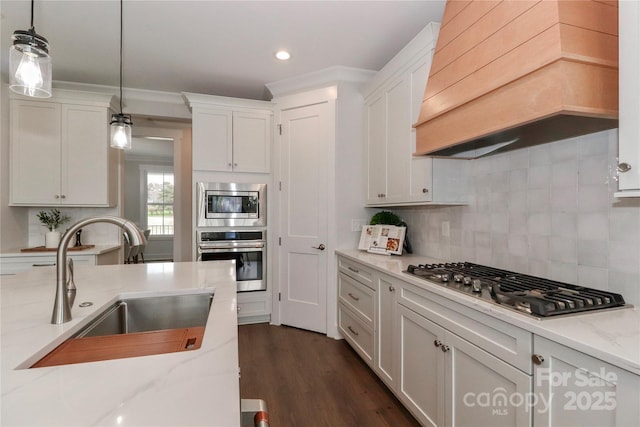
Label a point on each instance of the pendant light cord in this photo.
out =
(121, 25)
(32, 14)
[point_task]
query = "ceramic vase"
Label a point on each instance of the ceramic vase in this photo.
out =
(51, 239)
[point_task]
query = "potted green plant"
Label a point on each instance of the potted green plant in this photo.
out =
(52, 219)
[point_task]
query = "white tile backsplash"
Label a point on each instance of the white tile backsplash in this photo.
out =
(546, 210)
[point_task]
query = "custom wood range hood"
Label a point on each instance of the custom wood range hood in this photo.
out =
(507, 74)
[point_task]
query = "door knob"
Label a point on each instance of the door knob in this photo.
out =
(320, 246)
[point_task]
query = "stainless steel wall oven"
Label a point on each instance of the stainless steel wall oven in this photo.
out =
(246, 247)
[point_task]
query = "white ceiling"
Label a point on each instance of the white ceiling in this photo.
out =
(214, 47)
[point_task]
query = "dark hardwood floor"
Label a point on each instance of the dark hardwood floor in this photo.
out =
(310, 380)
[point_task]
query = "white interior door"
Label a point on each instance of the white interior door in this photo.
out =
(303, 222)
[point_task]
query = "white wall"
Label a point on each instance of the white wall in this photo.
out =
(548, 211)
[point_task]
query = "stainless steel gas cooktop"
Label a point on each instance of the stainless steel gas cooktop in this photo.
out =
(536, 296)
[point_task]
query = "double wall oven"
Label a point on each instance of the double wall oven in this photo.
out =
(231, 225)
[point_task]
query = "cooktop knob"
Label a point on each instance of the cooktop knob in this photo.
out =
(444, 278)
(476, 285)
(458, 277)
(466, 280)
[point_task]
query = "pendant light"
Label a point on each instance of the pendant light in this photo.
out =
(121, 123)
(30, 63)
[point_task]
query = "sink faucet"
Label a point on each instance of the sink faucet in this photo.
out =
(62, 306)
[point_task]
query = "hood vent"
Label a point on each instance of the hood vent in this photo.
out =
(510, 74)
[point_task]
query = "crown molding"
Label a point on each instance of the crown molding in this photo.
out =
(318, 79)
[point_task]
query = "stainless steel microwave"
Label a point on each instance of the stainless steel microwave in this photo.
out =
(231, 205)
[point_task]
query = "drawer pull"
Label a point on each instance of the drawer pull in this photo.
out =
(437, 343)
(43, 265)
(355, 270)
(444, 348)
(537, 359)
(352, 331)
(354, 297)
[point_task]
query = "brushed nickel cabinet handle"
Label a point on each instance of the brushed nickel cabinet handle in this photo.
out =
(537, 359)
(352, 331)
(624, 167)
(355, 270)
(353, 296)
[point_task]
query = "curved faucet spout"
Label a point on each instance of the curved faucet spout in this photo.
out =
(61, 306)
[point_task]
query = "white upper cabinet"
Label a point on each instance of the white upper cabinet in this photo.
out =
(60, 154)
(629, 126)
(230, 134)
(251, 141)
(392, 104)
(212, 140)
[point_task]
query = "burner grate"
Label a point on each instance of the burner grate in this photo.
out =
(534, 295)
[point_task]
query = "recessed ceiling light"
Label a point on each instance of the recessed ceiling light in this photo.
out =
(283, 55)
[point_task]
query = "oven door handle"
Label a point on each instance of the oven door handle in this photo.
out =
(238, 248)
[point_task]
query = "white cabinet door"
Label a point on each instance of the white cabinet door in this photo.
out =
(420, 188)
(422, 370)
(35, 152)
(387, 344)
(212, 140)
(376, 145)
(398, 148)
(60, 153)
(251, 142)
(482, 390)
(85, 181)
(629, 101)
(574, 389)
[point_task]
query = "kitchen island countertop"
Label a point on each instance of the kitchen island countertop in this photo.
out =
(190, 388)
(610, 335)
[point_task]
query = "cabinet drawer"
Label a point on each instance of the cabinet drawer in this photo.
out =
(357, 297)
(505, 341)
(356, 333)
(13, 265)
(357, 271)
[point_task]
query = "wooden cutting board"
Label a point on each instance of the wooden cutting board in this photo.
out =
(43, 249)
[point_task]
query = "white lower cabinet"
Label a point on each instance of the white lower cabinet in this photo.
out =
(254, 307)
(421, 386)
(573, 389)
(18, 264)
(356, 308)
(386, 336)
(451, 365)
(445, 380)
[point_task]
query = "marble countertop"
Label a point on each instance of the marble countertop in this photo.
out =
(97, 250)
(192, 388)
(610, 335)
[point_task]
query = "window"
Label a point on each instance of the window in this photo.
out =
(159, 201)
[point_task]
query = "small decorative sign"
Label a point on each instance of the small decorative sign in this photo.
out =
(382, 239)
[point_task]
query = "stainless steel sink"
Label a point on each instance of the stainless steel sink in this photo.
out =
(146, 314)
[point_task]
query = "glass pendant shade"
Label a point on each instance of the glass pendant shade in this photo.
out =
(121, 131)
(30, 64)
